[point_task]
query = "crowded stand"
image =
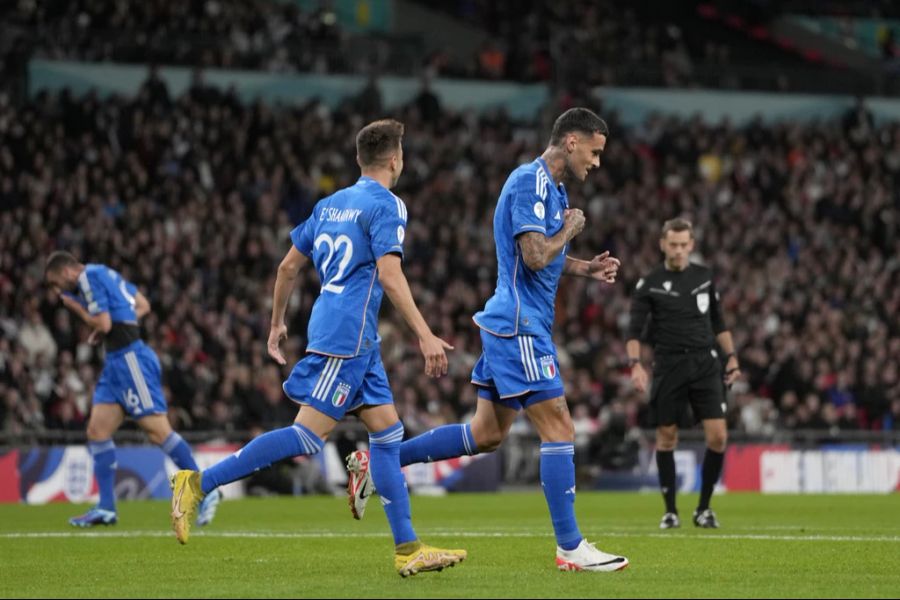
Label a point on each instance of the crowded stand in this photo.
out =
(193, 197)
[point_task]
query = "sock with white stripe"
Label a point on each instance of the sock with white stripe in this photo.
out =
(104, 454)
(448, 441)
(261, 452)
(384, 465)
(558, 481)
(179, 451)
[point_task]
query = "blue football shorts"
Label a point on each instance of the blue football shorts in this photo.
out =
(517, 371)
(132, 378)
(335, 386)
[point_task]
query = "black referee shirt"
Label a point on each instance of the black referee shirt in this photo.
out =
(678, 309)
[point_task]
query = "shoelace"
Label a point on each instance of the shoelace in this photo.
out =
(603, 554)
(592, 547)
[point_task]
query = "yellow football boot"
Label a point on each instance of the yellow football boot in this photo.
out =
(186, 494)
(427, 558)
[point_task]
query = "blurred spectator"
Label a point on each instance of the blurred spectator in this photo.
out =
(36, 339)
(887, 43)
(491, 61)
(427, 103)
(154, 88)
(368, 102)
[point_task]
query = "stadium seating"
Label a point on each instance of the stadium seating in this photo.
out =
(193, 198)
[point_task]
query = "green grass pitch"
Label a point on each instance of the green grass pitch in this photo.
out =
(768, 547)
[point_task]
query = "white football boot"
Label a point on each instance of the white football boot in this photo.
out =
(586, 557)
(360, 486)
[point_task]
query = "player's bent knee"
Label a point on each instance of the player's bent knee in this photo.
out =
(557, 431)
(96, 433)
(156, 438)
(560, 434)
(488, 441)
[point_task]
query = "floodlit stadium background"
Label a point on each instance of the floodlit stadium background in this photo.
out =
(180, 142)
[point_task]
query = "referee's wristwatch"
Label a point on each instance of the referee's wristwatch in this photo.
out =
(633, 361)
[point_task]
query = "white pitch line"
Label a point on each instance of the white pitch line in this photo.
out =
(439, 532)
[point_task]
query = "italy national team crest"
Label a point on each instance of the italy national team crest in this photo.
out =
(548, 367)
(340, 394)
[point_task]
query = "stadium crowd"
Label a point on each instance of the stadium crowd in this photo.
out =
(272, 36)
(192, 198)
(591, 43)
(580, 43)
(523, 39)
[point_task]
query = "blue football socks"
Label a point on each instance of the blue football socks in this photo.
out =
(104, 454)
(384, 465)
(448, 441)
(179, 451)
(558, 481)
(261, 452)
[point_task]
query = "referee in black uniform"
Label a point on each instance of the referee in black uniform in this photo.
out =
(685, 325)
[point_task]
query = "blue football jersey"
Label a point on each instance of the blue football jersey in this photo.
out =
(102, 289)
(346, 233)
(523, 302)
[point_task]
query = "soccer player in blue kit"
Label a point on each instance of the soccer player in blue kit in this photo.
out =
(130, 383)
(518, 368)
(355, 240)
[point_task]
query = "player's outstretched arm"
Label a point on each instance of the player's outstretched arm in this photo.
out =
(390, 274)
(538, 250)
(602, 267)
(290, 265)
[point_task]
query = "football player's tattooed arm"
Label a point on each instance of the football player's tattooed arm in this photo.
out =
(575, 266)
(602, 267)
(293, 261)
(538, 250)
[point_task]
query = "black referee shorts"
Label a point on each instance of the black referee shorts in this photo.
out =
(686, 383)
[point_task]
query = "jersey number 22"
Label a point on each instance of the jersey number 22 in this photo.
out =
(334, 246)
